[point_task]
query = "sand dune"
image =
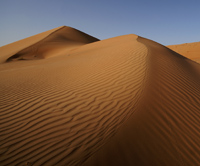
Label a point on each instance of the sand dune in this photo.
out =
(122, 101)
(46, 44)
(189, 50)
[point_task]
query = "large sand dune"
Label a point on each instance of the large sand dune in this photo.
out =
(121, 101)
(189, 50)
(50, 43)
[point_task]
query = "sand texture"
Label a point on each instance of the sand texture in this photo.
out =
(189, 50)
(68, 99)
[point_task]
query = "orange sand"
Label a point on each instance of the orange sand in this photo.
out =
(69, 99)
(189, 50)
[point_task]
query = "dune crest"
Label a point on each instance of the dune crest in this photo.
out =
(121, 101)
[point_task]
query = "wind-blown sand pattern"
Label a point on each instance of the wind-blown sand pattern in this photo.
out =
(121, 101)
(189, 50)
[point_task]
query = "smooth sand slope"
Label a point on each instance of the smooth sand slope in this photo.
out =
(50, 43)
(189, 50)
(121, 101)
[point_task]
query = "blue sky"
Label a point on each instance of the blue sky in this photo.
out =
(164, 21)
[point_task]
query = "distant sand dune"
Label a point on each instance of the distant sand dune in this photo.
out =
(121, 101)
(11, 49)
(46, 44)
(189, 50)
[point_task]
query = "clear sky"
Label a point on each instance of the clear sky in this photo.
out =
(165, 21)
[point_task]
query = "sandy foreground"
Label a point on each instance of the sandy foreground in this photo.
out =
(69, 99)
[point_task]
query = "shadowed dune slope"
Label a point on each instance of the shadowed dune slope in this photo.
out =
(189, 50)
(121, 101)
(46, 44)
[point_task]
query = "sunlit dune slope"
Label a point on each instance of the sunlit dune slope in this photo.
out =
(189, 50)
(122, 101)
(164, 129)
(46, 44)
